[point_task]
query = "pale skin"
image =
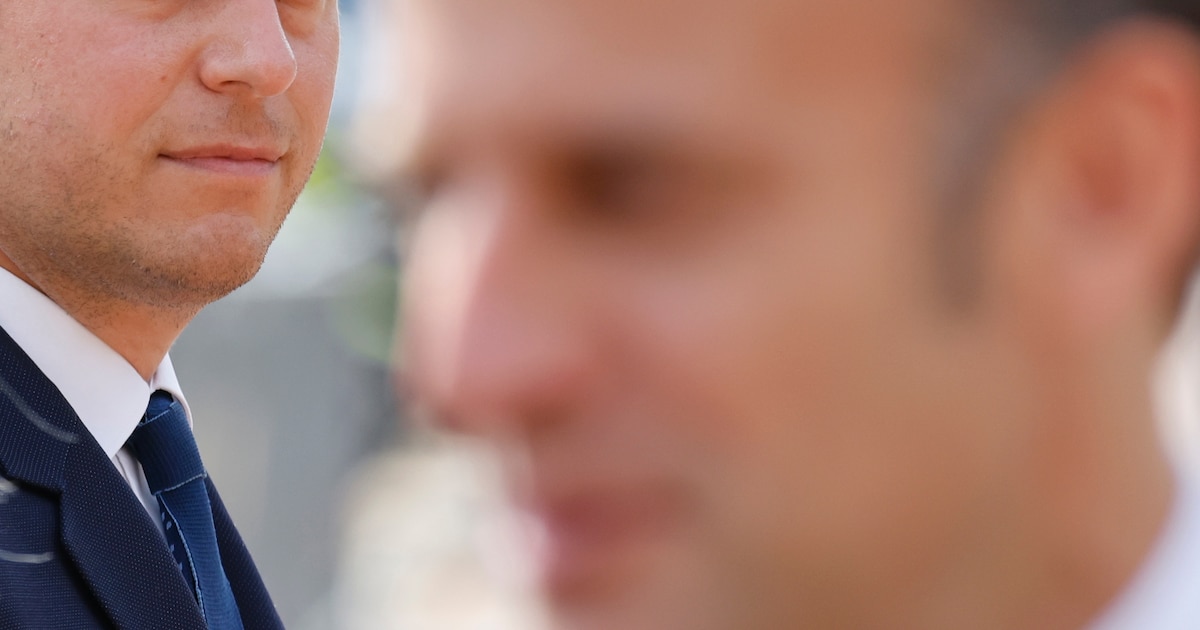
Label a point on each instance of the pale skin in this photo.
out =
(680, 269)
(152, 150)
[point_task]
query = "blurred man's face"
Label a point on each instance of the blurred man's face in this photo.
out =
(681, 266)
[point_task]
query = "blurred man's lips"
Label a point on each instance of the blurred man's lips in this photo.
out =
(589, 535)
(227, 159)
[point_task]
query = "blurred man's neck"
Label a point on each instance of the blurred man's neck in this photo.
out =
(1096, 503)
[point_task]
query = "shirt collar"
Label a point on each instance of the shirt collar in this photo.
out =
(1162, 595)
(106, 392)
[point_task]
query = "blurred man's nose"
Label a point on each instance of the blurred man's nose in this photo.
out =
(494, 337)
(248, 51)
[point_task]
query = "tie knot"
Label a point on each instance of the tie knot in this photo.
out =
(161, 402)
(164, 444)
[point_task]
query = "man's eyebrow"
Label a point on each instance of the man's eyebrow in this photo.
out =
(664, 146)
(632, 136)
(426, 159)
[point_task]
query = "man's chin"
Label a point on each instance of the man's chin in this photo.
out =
(217, 257)
(198, 276)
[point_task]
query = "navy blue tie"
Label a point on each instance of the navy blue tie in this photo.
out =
(164, 444)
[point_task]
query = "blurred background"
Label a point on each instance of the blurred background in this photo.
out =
(386, 526)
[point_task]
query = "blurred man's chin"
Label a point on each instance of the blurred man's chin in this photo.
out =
(631, 612)
(653, 588)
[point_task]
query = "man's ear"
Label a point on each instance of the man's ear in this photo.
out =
(1108, 177)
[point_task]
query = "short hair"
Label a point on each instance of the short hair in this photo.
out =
(1062, 24)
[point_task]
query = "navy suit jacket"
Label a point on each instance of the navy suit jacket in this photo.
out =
(77, 548)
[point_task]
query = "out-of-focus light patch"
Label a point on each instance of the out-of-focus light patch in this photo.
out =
(431, 542)
(1177, 386)
(380, 132)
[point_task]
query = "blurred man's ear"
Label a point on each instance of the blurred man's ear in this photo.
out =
(1105, 180)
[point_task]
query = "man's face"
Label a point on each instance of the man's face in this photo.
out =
(152, 148)
(680, 266)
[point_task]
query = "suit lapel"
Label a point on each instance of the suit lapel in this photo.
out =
(105, 530)
(118, 550)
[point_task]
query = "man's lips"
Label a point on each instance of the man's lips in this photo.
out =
(588, 534)
(227, 159)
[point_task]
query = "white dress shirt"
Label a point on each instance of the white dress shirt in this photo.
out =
(106, 392)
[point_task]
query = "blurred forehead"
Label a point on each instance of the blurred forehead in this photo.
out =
(534, 63)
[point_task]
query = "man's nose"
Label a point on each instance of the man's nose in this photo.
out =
(249, 51)
(494, 338)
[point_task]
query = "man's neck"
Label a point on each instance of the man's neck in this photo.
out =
(139, 333)
(1051, 548)
(1090, 517)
